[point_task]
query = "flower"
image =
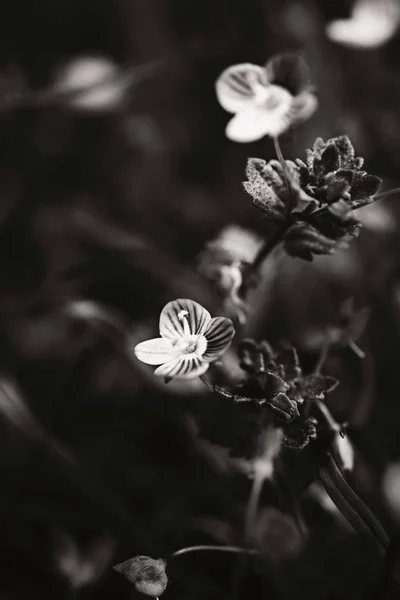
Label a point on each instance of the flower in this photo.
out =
(225, 261)
(266, 100)
(91, 83)
(372, 24)
(190, 340)
(315, 199)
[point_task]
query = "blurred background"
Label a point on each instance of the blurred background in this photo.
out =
(107, 196)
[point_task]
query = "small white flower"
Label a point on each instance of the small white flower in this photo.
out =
(93, 83)
(266, 100)
(372, 24)
(190, 340)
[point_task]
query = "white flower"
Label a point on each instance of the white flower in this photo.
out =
(190, 340)
(93, 83)
(266, 100)
(372, 24)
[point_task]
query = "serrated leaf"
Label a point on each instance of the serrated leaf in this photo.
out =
(304, 240)
(364, 186)
(329, 162)
(284, 407)
(345, 149)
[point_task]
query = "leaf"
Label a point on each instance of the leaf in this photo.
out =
(304, 240)
(316, 386)
(147, 574)
(299, 434)
(364, 186)
(284, 407)
(345, 149)
(288, 358)
(329, 161)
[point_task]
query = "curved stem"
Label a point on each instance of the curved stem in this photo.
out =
(322, 357)
(359, 516)
(269, 245)
(210, 548)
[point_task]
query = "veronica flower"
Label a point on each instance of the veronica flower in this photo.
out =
(266, 100)
(190, 340)
(371, 24)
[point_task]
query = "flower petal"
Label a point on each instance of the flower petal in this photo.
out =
(183, 317)
(183, 367)
(236, 87)
(371, 25)
(219, 335)
(256, 122)
(303, 106)
(290, 71)
(156, 351)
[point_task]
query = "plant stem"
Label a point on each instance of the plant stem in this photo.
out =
(210, 548)
(206, 383)
(268, 246)
(322, 357)
(381, 195)
(358, 515)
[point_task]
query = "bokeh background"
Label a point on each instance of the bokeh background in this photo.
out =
(112, 206)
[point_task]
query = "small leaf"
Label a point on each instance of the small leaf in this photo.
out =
(147, 574)
(364, 186)
(345, 149)
(303, 241)
(329, 161)
(315, 386)
(284, 407)
(299, 434)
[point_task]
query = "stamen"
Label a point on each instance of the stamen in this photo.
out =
(182, 316)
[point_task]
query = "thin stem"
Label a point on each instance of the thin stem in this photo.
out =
(381, 195)
(322, 357)
(252, 506)
(356, 349)
(209, 548)
(269, 245)
(206, 383)
(358, 515)
(278, 151)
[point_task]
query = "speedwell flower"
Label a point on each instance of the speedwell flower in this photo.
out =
(266, 100)
(190, 340)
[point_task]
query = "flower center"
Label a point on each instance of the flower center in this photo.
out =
(193, 344)
(276, 98)
(190, 344)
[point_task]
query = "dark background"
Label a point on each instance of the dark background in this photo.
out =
(73, 187)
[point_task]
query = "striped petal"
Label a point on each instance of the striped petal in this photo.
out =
(156, 351)
(219, 335)
(181, 318)
(237, 86)
(183, 367)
